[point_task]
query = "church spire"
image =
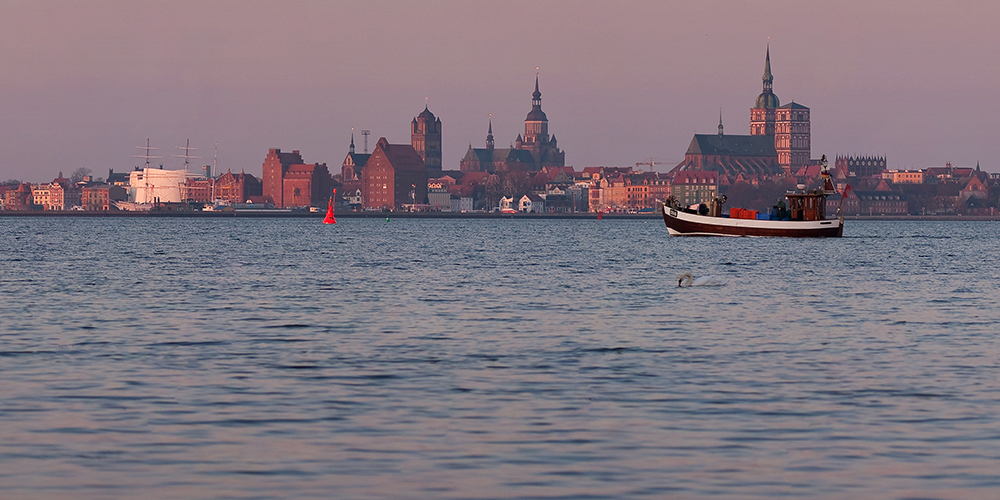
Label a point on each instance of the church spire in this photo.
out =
(720, 122)
(352, 142)
(489, 135)
(768, 77)
(536, 96)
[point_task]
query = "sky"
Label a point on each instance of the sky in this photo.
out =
(622, 82)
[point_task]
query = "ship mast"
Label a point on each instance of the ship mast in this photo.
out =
(147, 157)
(187, 156)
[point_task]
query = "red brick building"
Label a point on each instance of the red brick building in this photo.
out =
(425, 137)
(237, 188)
(290, 182)
(198, 190)
(394, 175)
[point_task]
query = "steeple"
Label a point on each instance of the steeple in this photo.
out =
(536, 96)
(767, 99)
(720, 122)
(489, 136)
(768, 77)
(352, 142)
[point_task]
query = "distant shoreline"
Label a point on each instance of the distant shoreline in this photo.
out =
(444, 215)
(320, 215)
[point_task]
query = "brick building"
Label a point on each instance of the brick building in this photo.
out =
(394, 175)
(752, 156)
(350, 174)
(788, 126)
(236, 188)
(425, 137)
(290, 182)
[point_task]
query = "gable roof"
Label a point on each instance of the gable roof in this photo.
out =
(357, 159)
(402, 157)
(732, 145)
(498, 155)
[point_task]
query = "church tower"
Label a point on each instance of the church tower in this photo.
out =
(425, 136)
(763, 113)
(544, 150)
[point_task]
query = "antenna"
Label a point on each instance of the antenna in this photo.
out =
(187, 149)
(366, 133)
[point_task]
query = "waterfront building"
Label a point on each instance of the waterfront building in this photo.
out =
(394, 175)
(531, 203)
(693, 187)
(233, 188)
(425, 137)
(99, 197)
(350, 175)
(289, 182)
(198, 190)
(19, 198)
(40, 196)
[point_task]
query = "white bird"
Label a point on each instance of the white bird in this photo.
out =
(687, 279)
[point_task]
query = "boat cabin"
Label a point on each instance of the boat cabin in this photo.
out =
(803, 205)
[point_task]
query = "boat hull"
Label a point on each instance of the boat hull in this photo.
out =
(684, 224)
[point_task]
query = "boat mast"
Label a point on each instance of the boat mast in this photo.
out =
(147, 157)
(187, 156)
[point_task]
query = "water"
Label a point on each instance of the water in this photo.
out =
(262, 358)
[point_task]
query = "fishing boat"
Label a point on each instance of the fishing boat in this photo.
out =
(805, 216)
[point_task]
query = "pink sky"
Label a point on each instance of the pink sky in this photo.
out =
(622, 82)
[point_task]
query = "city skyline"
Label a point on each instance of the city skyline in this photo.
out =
(620, 83)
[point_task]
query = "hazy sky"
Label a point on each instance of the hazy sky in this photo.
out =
(83, 83)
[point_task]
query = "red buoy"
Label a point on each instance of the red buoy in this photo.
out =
(330, 219)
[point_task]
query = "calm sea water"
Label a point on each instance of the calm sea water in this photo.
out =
(262, 358)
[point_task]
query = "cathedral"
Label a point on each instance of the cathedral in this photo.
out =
(532, 151)
(778, 144)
